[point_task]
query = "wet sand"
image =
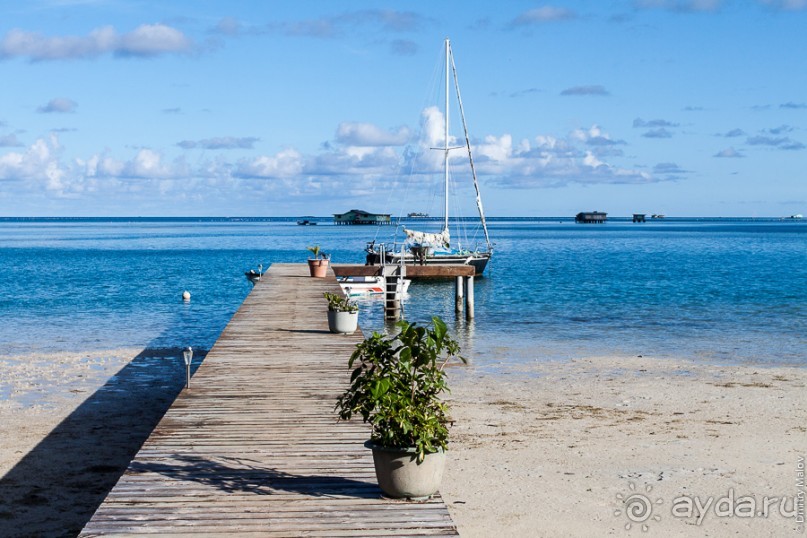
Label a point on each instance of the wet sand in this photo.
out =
(69, 426)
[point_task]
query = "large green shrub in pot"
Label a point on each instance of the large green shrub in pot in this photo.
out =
(396, 385)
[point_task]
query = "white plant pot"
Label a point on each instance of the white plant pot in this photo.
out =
(343, 322)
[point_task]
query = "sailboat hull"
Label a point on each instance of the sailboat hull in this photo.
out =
(477, 260)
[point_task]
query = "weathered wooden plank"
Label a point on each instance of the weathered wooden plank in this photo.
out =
(254, 448)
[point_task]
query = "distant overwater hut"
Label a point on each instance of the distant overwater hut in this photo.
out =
(639, 217)
(590, 217)
(357, 216)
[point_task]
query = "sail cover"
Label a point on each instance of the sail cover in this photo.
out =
(428, 239)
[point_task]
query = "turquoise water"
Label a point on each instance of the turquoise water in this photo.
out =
(726, 291)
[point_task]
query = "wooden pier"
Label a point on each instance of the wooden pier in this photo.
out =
(253, 448)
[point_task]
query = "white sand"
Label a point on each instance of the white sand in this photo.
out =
(546, 450)
(69, 426)
(38, 391)
(542, 450)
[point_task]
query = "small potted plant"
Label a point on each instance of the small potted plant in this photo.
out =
(318, 265)
(396, 385)
(343, 314)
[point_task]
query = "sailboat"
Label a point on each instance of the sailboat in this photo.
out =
(424, 248)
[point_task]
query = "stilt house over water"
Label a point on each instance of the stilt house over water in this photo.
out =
(357, 216)
(590, 217)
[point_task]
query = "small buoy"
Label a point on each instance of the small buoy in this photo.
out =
(186, 296)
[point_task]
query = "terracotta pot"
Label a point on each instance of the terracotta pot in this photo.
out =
(318, 268)
(343, 322)
(400, 476)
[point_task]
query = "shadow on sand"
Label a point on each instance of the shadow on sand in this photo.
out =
(55, 489)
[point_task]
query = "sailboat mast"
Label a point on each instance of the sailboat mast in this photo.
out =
(445, 146)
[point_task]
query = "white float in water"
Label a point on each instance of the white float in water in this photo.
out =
(186, 296)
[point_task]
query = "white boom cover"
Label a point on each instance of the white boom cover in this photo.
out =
(428, 239)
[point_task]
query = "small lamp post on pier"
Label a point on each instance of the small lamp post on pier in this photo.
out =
(187, 355)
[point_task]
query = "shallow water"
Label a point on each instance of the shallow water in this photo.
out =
(727, 291)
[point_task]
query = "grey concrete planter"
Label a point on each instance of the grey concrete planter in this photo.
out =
(343, 322)
(400, 476)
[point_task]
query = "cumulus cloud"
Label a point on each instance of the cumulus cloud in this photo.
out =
(147, 40)
(729, 153)
(543, 161)
(733, 133)
(585, 90)
(40, 162)
(601, 142)
(222, 142)
(285, 164)
(541, 15)
(59, 105)
(367, 134)
(354, 162)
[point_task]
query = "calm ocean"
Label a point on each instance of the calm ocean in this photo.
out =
(718, 290)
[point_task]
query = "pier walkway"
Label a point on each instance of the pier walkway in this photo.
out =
(254, 448)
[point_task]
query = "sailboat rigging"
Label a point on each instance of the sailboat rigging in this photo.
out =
(435, 248)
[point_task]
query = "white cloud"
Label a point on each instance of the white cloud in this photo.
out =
(152, 40)
(39, 163)
(339, 169)
(144, 41)
(367, 134)
(285, 164)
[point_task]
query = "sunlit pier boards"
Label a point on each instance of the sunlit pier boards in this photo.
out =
(463, 276)
(253, 447)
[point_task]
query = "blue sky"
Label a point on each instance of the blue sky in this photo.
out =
(183, 108)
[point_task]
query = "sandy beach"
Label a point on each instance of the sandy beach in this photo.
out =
(553, 449)
(70, 423)
(546, 449)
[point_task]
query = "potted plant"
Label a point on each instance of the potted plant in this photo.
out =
(343, 314)
(396, 386)
(318, 265)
